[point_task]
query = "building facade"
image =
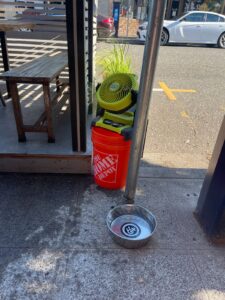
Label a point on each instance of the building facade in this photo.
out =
(176, 8)
(138, 9)
(134, 12)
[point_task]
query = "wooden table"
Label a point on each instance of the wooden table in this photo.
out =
(10, 25)
(42, 70)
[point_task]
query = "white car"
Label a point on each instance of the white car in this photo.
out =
(198, 27)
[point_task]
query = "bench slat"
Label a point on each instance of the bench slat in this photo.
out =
(42, 69)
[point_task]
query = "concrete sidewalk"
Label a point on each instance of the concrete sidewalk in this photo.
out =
(54, 242)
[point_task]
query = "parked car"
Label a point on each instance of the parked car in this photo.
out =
(197, 27)
(105, 26)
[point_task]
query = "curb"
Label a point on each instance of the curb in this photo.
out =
(121, 40)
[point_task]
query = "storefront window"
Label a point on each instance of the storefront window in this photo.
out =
(137, 9)
(205, 5)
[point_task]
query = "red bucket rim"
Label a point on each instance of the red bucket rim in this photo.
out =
(110, 135)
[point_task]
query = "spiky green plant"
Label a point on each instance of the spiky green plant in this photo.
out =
(116, 61)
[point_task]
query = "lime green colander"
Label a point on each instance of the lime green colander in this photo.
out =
(115, 93)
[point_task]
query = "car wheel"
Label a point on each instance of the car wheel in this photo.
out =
(164, 37)
(221, 41)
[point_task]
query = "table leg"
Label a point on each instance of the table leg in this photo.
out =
(2, 100)
(17, 111)
(57, 84)
(5, 58)
(48, 109)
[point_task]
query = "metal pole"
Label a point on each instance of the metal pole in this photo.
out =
(155, 21)
(181, 7)
(223, 6)
(189, 6)
(168, 10)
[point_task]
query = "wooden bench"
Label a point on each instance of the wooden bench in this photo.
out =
(42, 71)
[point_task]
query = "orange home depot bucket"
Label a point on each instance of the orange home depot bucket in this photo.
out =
(110, 158)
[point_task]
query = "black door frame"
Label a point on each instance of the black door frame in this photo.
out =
(77, 28)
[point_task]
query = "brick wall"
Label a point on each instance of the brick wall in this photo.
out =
(132, 27)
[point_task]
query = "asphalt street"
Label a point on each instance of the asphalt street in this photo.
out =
(189, 121)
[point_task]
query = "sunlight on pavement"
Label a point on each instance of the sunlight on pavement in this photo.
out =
(44, 262)
(184, 114)
(209, 295)
(40, 288)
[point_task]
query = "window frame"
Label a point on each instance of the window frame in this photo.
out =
(194, 13)
(221, 19)
(209, 14)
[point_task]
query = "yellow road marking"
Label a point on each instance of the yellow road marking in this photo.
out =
(183, 91)
(170, 92)
(184, 114)
(170, 95)
(167, 91)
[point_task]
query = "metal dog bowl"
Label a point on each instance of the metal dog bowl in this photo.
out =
(130, 225)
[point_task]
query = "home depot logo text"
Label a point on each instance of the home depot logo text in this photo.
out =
(105, 166)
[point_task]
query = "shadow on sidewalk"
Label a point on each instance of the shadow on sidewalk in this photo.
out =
(54, 242)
